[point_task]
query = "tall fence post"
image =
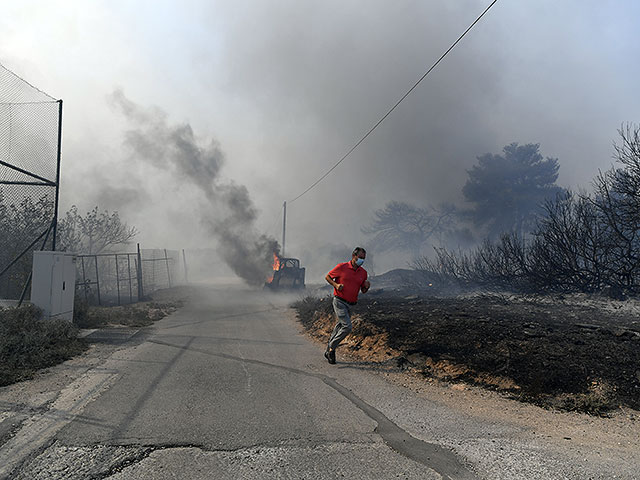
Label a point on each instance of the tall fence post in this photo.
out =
(139, 273)
(95, 258)
(166, 260)
(55, 211)
(129, 276)
(84, 281)
(186, 272)
(117, 278)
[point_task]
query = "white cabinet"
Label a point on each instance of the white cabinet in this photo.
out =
(54, 283)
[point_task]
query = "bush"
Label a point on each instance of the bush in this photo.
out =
(493, 264)
(29, 343)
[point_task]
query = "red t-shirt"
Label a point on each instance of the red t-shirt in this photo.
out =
(352, 279)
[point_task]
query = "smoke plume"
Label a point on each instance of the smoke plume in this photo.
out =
(229, 213)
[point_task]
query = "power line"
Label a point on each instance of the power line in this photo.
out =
(397, 103)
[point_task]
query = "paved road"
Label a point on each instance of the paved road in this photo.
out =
(225, 388)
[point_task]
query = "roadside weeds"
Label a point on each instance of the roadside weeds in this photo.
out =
(29, 344)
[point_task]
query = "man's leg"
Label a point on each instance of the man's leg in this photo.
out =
(343, 327)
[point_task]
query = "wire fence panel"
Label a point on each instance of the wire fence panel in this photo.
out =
(107, 279)
(30, 134)
(122, 278)
(159, 269)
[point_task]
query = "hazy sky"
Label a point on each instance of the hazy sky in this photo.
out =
(285, 88)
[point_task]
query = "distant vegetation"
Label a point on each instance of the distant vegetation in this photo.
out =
(23, 220)
(402, 226)
(584, 242)
(96, 232)
(505, 193)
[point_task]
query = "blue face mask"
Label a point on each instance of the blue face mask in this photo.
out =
(359, 261)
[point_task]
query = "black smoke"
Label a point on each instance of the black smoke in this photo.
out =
(229, 213)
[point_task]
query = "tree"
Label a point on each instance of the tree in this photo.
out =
(21, 223)
(584, 242)
(402, 226)
(508, 190)
(96, 232)
(617, 199)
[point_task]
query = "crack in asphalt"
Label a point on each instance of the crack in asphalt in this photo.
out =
(37, 433)
(142, 452)
(443, 461)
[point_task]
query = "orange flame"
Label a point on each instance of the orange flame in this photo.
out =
(275, 266)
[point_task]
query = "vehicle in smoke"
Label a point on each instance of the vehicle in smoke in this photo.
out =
(287, 274)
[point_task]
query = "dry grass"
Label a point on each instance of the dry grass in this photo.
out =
(28, 343)
(135, 315)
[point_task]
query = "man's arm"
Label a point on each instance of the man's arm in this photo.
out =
(365, 286)
(333, 283)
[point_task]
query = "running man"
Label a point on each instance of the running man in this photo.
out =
(347, 280)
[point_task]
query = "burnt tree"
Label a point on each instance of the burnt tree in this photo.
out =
(402, 226)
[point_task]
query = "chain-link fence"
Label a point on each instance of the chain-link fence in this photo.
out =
(121, 278)
(30, 137)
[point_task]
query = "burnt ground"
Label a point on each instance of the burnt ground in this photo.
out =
(563, 352)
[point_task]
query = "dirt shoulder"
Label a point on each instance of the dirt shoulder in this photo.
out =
(566, 353)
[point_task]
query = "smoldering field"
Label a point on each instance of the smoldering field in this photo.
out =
(569, 352)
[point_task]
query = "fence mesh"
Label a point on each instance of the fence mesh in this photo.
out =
(117, 279)
(159, 269)
(29, 166)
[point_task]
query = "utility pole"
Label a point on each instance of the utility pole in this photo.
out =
(284, 226)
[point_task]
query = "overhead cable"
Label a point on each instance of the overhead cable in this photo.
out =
(397, 103)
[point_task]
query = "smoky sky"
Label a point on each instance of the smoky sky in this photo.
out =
(325, 76)
(287, 87)
(228, 213)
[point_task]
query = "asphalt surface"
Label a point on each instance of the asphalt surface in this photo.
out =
(228, 388)
(224, 388)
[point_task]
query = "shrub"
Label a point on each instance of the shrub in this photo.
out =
(29, 343)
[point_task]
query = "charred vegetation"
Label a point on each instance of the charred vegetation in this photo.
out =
(583, 242)
(560, 353)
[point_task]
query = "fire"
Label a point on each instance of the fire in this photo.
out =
(275, 266)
